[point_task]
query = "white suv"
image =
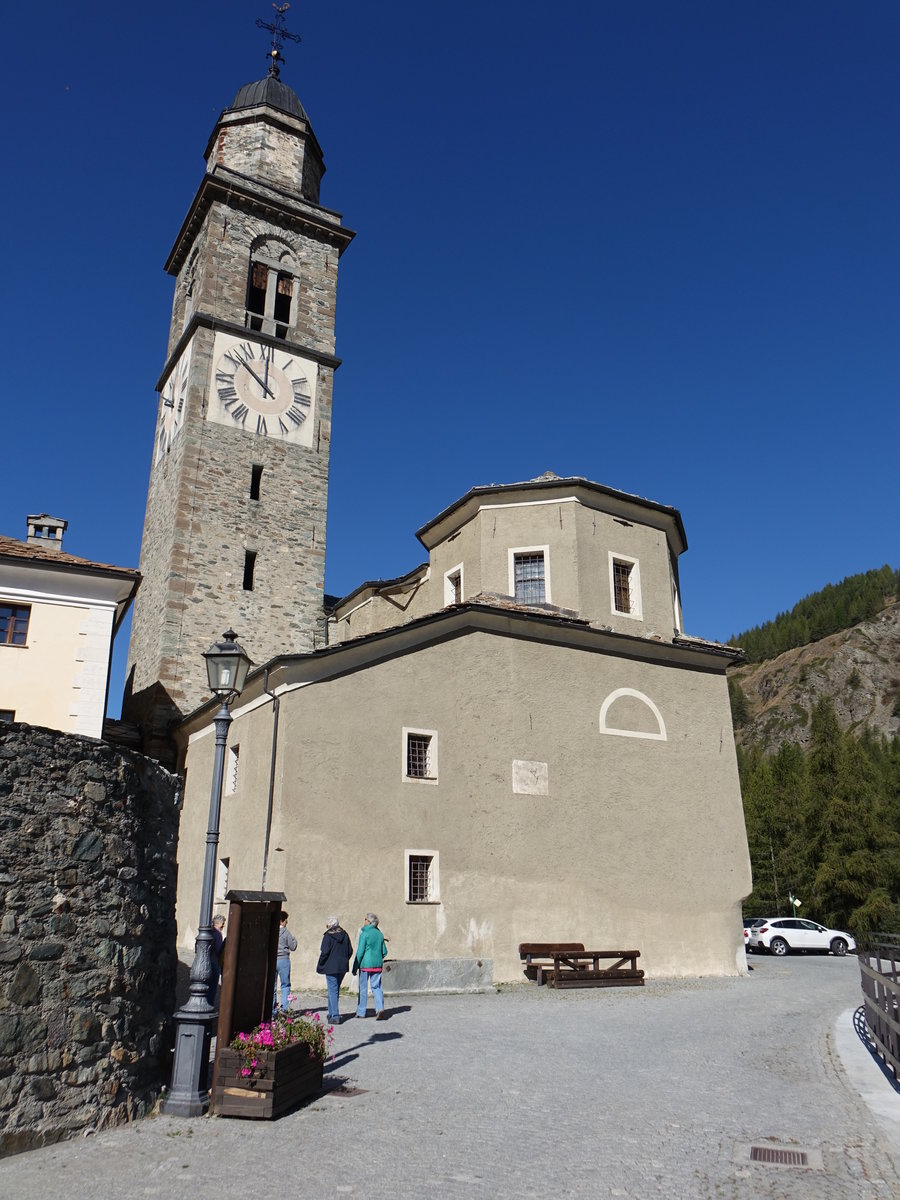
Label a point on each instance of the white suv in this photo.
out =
(780, 935)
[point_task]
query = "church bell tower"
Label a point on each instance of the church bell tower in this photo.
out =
(234, 531)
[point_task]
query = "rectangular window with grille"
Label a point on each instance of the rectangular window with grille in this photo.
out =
(625, 585)
(14, 620)
(622, 586)
(421, 877)
(231, 770)
(420, 755)
(453, 587)
(529, 578)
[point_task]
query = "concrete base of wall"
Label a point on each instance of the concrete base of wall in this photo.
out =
(438, 975)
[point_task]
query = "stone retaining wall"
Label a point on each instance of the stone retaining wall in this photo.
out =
(87, 934)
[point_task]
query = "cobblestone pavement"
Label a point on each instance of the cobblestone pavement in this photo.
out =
(627, 1092)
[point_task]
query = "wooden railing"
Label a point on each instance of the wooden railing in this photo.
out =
(879, 967)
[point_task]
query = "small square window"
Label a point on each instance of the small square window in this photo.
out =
(420, 747)
(14, 621)
(7, 714)
(422, 877)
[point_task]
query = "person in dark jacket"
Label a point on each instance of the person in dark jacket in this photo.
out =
(334, 959)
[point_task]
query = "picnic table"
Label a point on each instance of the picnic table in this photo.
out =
(569, 964)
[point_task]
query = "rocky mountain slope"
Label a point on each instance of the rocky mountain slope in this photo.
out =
(859, 668)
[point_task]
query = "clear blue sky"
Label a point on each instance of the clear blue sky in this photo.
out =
(655, 244)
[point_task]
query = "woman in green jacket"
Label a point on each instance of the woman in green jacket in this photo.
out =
(370, 952)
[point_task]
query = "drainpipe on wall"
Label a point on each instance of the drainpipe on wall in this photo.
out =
(275, 709)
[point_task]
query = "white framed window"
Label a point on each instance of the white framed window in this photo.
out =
(231, 769)
(422, 878)
(453, 585)
(625, 585)
(14, 619)
(529, 574)
(420, 756)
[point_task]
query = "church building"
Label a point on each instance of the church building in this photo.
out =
(514, 741)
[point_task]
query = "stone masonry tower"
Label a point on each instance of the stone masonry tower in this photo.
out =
(234, 532)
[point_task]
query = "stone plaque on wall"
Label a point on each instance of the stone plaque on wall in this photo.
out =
(530, 778)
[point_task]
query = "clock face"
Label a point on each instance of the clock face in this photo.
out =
(174, 398)
(262, 390)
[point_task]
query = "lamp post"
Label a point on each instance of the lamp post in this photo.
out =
(227, 665)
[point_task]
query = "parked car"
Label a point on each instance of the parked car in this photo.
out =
(750, 923)
(781, 935)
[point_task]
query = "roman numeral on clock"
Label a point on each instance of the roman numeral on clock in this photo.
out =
(239, 412)
(261, 425)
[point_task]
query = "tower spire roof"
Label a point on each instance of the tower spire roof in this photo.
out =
(271, 90)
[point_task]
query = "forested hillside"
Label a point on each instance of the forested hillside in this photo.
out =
(824, 823)
(858, 669)
(818, 735)
(837, 606)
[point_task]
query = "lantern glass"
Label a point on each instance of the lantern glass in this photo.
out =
(227, 664)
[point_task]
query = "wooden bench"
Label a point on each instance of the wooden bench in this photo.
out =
(568, 964)
(573, 968)
(538, 956)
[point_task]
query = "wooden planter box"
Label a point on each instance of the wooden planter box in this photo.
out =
(281, 1079)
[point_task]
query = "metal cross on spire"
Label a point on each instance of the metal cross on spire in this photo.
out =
(279, 34)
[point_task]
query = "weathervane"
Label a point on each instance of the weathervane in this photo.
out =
(279, 33)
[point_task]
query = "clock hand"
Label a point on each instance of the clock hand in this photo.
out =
(265, 387)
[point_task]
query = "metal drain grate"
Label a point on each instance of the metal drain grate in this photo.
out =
(780, 1158)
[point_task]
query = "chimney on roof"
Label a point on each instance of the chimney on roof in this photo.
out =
(46, 531)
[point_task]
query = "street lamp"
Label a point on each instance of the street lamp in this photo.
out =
(227, 665)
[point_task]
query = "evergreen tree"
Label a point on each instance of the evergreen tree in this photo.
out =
(855, 854)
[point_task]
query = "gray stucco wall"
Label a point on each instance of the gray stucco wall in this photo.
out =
(638, 843)
(87, 934)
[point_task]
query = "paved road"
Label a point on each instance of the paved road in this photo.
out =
(639, 1093)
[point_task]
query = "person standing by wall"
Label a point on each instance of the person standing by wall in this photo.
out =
(286, 943)
(334, 962)
(370, 953)
(218, 942)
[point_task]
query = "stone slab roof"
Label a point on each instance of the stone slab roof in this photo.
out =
(25, 552)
